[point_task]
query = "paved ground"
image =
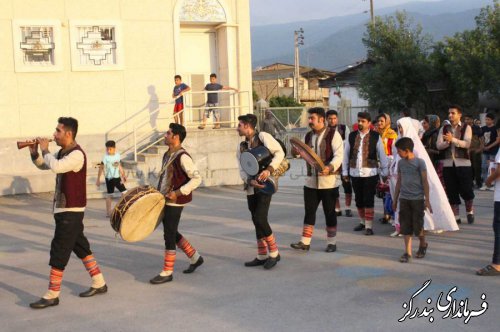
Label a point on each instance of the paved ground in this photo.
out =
(361, 287)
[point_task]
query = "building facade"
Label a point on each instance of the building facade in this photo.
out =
(111, 65)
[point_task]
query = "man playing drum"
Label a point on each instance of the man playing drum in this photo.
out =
(178, 178)
(321, 186)
(70, 199)
(259, 202)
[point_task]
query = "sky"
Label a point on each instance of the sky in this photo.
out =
(264, 12)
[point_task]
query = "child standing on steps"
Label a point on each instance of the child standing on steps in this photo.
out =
(113, 174)
(412, 191)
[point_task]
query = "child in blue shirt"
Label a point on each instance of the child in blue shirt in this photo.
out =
(113, 173)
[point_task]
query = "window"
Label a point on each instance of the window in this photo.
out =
(95, 45)
(37, 45)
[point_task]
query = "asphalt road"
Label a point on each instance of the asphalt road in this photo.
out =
(360, 287)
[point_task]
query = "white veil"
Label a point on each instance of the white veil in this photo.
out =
(442, 217)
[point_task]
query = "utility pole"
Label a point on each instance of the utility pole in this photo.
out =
(299, 40)
(371, 11)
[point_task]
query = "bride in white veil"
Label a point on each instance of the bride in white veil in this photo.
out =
(442, 218)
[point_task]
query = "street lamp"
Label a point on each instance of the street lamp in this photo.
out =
(299, 40)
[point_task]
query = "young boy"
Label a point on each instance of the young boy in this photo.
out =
(213, 101)
(179, 90)
(493, 269)
(113, 173)
(412, 188)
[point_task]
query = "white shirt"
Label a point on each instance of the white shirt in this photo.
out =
(275, 149)
(363, 172)
(328, 181)
(72, 162)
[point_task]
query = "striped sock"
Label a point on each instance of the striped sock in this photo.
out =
(456, 210)
(273, 248)
(92, 268)
(331, 233)
(168, 263)
(261, 249)
(361, 214)
(469, 207)
(337, 205)
(369, 212)
(185, 246)
(307, 233)
(55, 281)
(348, 200)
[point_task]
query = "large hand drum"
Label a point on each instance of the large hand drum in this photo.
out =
(255, 160)
(307, 153)
(138, 213)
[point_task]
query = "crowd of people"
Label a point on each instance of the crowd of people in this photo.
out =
(423, 168)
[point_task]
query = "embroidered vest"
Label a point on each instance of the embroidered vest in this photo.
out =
(341, 129)
(325, 147)
(176, 177)
(461, 153)
(71, 187)
(368, 149)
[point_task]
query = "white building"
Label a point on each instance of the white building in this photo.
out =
(111, 65)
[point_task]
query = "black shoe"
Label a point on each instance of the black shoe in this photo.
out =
(94, 291)
(331, 248)
(470, 218)
(271, 262)
(369, 231)
(339, 213)
(459, 221)
(358, 228)
(256, 262)
(44, 303)
(384, 220)
(160, 279)
(193, 267)
(300, 245)
(348, 213)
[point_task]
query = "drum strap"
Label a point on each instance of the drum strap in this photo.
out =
(170, 161)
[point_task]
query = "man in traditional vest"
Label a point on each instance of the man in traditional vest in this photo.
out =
(321, 186)
(178, 178)
(343, 130)
(364, 156)
(455, 141)
(258, 201)
(70, 199)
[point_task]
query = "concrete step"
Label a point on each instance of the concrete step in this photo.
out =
(144, 157)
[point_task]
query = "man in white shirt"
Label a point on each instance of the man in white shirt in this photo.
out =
(364, 155)
(321, 186)
(178, 178)
(70, 199)
(258, 201)
(455, 141)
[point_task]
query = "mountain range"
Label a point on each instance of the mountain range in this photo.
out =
(334, 43)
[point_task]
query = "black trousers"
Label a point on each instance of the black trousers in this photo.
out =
(258, 204)
(68, 237)
(364, 190)
(171, 219)
(312, 197)
(347, 186)
(458, 182)
(476, 162)
(496, 230)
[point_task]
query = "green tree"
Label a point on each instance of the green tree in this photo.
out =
(399, 50)
(469, 62)
(283, 101)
